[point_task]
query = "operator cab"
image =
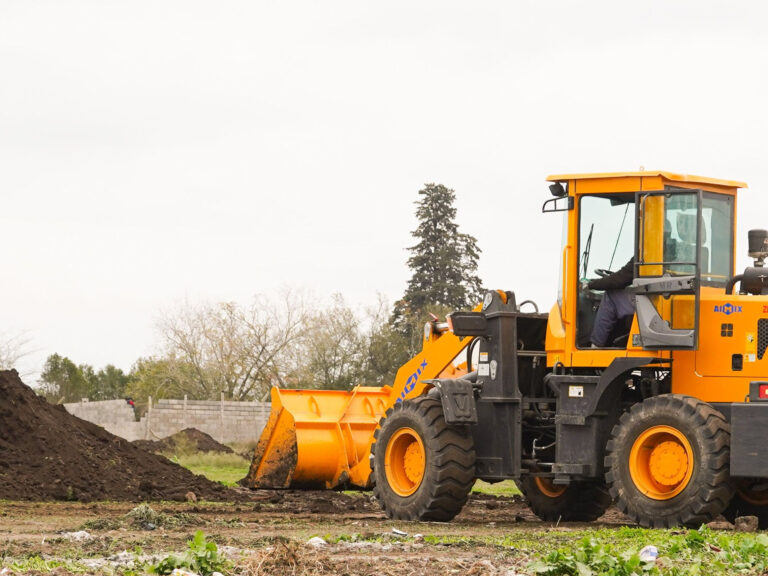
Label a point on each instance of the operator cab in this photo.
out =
(678, 232)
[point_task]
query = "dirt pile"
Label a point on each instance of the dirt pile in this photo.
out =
(48, 454)
(188, 440)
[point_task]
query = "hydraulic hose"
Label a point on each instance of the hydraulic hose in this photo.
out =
(731, 282)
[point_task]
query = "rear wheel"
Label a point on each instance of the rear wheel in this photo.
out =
(423, 469)
(751, 499)
(667, 462)
(577, 502)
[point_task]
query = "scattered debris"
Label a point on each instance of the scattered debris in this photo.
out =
(182, 572)
(397, 532)
(649, 554)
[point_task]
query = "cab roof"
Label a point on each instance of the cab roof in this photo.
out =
(671, 176)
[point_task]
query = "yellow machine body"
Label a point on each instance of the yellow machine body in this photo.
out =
(321, 438)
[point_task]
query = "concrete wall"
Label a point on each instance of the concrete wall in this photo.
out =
(115, 416)
(226, 421)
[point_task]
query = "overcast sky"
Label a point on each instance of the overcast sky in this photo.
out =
(153, 153)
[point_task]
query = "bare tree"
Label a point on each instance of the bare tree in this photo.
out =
(234, 349)
(13, 347)
(331, 354)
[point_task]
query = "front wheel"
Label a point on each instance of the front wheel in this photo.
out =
(667, 462)
(577, 502)
(423, 469)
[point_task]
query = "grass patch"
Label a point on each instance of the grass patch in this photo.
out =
(216, 466)
(616, 553)
(37, 564)
(504, 488)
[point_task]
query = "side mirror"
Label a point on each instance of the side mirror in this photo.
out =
(562, 204)
(558, 190)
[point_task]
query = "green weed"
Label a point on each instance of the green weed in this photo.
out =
(201, 557)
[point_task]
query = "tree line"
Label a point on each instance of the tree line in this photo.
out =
(241, 351)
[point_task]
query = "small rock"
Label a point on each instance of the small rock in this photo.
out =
(418, 538)
(190, 496)
(746, 524)
(317, 542)
(720, 525)
(148, 526)
(77, 536)
(491, 504)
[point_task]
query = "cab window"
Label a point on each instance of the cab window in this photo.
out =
(606, 243)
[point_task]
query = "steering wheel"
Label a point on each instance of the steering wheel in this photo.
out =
(602, 272)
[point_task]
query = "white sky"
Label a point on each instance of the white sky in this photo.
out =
(156, 152)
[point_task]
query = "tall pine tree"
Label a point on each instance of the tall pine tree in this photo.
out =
(443, 263)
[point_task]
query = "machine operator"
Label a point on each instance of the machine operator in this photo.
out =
(616, 305)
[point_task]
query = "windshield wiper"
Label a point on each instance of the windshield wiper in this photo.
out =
(587, 248)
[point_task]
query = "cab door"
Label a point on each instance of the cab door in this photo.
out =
(668, 269)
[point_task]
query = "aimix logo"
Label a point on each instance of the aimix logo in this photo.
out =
(728, 309)
(411, 382)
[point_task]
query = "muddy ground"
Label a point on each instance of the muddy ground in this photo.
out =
(269, 534)
(69, 492)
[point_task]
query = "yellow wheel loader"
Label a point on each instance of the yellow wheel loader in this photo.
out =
(660, 407)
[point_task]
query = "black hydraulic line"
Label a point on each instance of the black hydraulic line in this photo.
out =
(732, 282)
(470, 350)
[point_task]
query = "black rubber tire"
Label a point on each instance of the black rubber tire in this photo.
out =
(741, 506)
(449, 462)
(708, 490)
(581, 501)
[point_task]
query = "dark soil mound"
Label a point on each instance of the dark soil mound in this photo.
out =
(48, 454)
(189, 439)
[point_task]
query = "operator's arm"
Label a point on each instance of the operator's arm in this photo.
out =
(616, 281)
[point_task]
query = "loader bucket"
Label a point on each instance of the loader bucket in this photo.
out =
(322, 438)
(318, 438)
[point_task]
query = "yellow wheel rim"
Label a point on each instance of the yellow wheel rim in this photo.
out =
(404, 461)
(661, 462)
(549, 489)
